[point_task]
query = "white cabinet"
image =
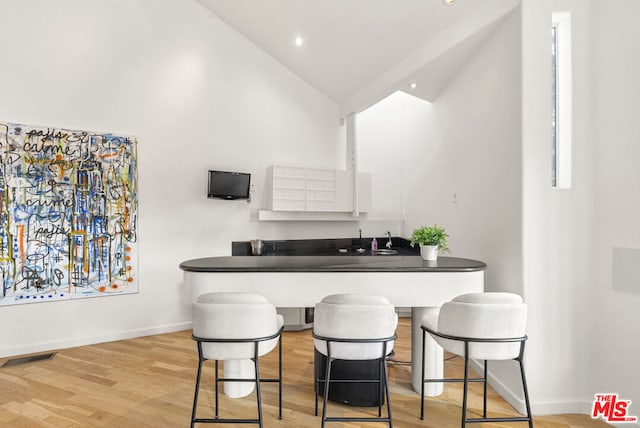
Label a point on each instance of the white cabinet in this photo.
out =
(321, 189)
(293, 188)
(287, 188)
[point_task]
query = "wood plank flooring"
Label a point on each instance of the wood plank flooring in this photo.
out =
(149, 381)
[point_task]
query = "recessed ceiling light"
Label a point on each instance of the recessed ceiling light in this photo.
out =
(299, 41)
(413, 85)
(448, 2)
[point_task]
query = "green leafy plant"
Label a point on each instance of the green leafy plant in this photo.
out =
(432, 235)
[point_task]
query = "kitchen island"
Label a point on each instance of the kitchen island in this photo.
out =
(302, 281)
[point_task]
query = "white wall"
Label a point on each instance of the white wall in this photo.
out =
(386, 131)
(558, 225)
(487, 138)
(474, 152)
(198, 96)
(467, 142)
(615, 67)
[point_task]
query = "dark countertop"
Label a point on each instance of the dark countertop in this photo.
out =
(325, 247)
(333, 263)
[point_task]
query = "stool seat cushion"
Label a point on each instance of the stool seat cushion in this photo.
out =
(481, 316)
(430, 320)
(481, 326)
(231, 297)
(356, 299)
(354, 316)
(491, 297)
(235, 316)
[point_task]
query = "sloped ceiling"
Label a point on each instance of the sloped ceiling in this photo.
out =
(357, 52)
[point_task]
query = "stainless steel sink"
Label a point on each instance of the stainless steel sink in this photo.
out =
(384, 252)
(362, 251)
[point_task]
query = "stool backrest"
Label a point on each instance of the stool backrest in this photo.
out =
(234, 316)
(354, 316)
(486, 316)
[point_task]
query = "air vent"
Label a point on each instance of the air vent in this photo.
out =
(30, 359)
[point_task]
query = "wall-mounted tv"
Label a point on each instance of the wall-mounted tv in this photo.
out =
(228, 185)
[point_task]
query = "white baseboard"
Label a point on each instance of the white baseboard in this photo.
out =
(538, 408)
(71, 343)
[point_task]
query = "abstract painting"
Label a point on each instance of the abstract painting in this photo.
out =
(68, 202)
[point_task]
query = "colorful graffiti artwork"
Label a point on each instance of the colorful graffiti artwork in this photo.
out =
(68, 202)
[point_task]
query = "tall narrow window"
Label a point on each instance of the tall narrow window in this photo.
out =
(554, 105)
(561, 94)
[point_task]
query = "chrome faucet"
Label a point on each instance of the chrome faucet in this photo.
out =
(389, 243)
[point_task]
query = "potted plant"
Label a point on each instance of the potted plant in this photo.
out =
(432, 239)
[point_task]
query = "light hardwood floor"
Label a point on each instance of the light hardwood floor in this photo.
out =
(148, 382)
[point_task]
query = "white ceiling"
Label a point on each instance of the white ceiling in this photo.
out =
(358, 51)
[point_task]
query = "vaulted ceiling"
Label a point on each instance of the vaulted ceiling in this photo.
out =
(357, 52)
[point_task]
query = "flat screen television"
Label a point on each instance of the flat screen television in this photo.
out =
(228, 185)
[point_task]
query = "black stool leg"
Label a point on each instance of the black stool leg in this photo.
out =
(257, 373)
(484, 395)
(424, 333)
(526, 393)
(386, 385)
(316, 377)
(380, 389)
(216, 392)
(327, 381)
(195, 395)
(466, 384)
(280, 377)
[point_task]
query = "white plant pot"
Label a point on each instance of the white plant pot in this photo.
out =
(429, 252)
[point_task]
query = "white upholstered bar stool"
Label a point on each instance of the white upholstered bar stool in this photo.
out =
(354, 327)
(236, 326)
(480, 326)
